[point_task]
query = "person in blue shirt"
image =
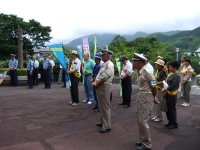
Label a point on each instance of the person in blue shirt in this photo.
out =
(30, 64)
(96, 69)
(88, 71)
(64, 70)
(13, 64)
(47, 72)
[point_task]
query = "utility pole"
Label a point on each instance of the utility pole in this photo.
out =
(20, 46)
(177, 51)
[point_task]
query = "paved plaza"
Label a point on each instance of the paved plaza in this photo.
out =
(41, 119)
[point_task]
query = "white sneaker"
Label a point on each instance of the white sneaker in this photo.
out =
(153, 118)
(70, 103)
(84, 101)
(75, 104)
(184, 104)
(187, 104)
(158, 120)
(90, 102)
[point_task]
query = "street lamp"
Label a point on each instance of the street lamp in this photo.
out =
(177, 50)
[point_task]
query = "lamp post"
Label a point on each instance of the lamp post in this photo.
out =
(177, 50)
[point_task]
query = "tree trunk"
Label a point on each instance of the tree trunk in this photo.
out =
(20, 47)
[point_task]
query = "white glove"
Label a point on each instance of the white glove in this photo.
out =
(165, 85)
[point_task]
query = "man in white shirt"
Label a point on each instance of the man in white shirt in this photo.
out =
(75, 75)
(125, 76)
(35, 70)
(53, 65)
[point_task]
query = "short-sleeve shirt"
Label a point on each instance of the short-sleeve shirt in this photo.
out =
(185, 68)
(36, 64)
(149, 68)
(13, 63)
(30, 65)
(129, 67)
(106, 72)
(144, 78)
(76, 65)
(88, 66)
(46, 64)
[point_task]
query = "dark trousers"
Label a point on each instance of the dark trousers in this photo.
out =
(47, 78)
(14, 77)
(35, 76)
(74, 88)
(186, 91)
(126, 90)
(30, 79)
(63, 76)
(95, 98)
(171, 109)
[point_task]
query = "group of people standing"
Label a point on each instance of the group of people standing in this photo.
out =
(157, 92)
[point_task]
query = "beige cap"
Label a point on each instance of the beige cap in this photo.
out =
(160, 62)
(74, 52)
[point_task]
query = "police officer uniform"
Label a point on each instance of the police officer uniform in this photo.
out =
(30, 64)
(103, 92)
(13, 64)
(47, 75)
(145, 102)
(35, 71)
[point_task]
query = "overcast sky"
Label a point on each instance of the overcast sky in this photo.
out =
(70, 19)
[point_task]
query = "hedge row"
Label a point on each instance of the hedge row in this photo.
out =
(21, 72)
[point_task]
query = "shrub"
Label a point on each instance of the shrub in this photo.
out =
(21, 72)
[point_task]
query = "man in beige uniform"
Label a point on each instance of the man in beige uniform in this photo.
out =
(145, 100)
(103, 87)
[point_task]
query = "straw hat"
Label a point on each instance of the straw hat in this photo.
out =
(74, 52)
(160, 62)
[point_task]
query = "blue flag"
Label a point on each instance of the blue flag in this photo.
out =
(57, 50)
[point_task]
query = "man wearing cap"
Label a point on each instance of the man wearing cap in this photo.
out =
(145, 98)
(47, 75)
(88, 70)
(96, 69)
(13, 64)
(125, 76)
(103, 87)
(161, 76)
(30, 64)
(75, 75)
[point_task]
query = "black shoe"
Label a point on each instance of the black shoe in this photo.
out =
(104, 130)
(96, 110)
(99, 125)
(126, 106)
(138, 143)
(64, 86)
(173, 127)
(167, 125)
(143, 148)
(122, 104)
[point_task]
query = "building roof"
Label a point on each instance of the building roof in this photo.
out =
(198, 50)
(41, 50)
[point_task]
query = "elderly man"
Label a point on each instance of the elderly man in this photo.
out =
(125, 76)
(75, 75)
(103, 87)
(88, 70)
(145, 99)
(13, 64)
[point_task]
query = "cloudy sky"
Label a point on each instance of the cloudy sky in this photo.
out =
(70, 19)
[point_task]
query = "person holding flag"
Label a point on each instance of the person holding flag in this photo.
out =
(125, 77)
(88, 71)
(75, 75)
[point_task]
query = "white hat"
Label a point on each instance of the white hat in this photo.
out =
(160, 62)
(139, 57)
